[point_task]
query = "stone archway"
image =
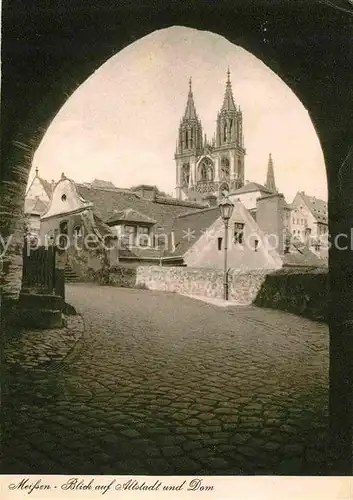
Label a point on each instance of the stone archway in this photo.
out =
(44, 61)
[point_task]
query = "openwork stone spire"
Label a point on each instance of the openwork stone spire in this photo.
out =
(190, 110)
(270, 179)
(228, 102)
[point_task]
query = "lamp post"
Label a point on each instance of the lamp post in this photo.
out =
(226, 208)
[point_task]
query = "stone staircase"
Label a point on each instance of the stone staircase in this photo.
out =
(70, 275)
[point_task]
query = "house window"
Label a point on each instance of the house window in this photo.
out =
(128, 237)
(162, 241)
(256, 245)
(219, 243)
(238, 232)
(63, 227)
(143, 236)
(77, 231)
(63, 198)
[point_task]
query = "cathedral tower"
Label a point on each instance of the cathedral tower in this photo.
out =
(189, 147)
(229, 151)
(210, 168)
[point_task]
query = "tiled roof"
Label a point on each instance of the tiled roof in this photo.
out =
(317, 207)
(192, 195)
(98, 183)
(129, 215)
(188, 228)
(46, 186)
(140, 253)
(106, 202)
(302, 257)
(251, 187)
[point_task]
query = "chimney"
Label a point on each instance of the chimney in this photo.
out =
(270, 218)
(145, 191)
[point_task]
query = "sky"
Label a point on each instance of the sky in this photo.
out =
(121, 124)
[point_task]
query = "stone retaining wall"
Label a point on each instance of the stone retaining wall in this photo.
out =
(243, 285)
(114, 276)
(301, 291)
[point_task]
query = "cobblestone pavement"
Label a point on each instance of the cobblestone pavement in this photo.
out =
(164, 384)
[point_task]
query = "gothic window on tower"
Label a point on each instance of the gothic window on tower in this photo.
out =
(225, 133)
(186, 174)
(239, 167)
(206, 170)
(224, 168)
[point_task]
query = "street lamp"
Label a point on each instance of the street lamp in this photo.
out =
(226, 208)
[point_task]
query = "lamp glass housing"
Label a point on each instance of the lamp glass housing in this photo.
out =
(226, 208)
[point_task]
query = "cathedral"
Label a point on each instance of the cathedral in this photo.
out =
(205, 168)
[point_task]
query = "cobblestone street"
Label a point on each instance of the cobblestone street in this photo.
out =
(164, 384)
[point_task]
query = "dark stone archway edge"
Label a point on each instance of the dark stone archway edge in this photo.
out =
(48, 51)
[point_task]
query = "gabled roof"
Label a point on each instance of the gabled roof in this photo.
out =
(47, 186)
(316, 206)
(188, 228)
(251, 187)
(35, 206)
(130, 215)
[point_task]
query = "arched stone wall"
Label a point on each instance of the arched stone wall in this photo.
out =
(48, 52)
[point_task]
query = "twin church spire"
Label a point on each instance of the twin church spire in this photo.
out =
(229, 124)
(208, 168)
(202, 165)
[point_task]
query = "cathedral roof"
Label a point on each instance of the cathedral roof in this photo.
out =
(228, 101)
(190, 110)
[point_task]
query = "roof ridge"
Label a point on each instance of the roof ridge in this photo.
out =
(208, 209)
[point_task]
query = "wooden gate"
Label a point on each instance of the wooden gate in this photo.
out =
(38, 269)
